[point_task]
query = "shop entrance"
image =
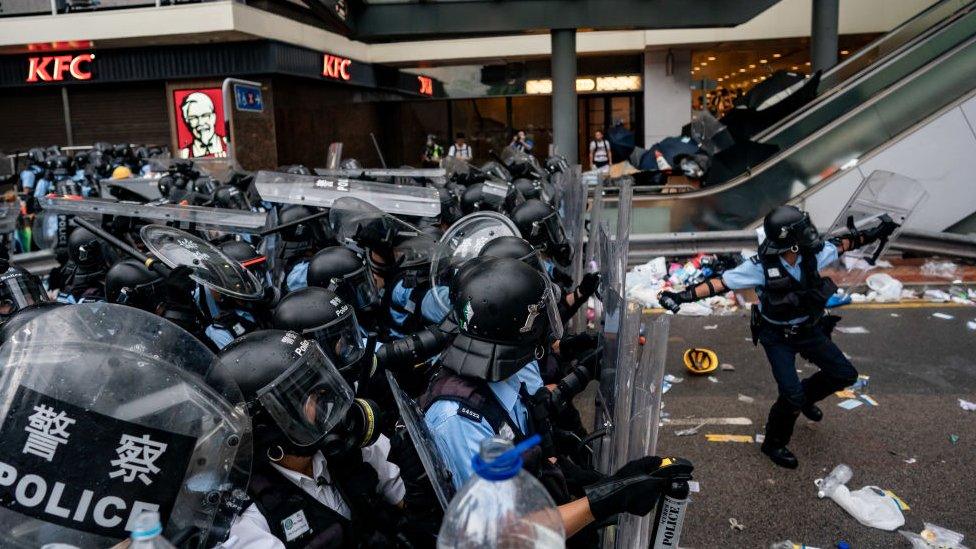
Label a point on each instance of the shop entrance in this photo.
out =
(600, 112)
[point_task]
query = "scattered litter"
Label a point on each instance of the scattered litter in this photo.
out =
(725, 366)
(936, 295)
(867, 400)
(971, 324)
(895, 315)
(861, 384)
(713, 379)
(852, 330)
(934, 537)
(711, 421)
(746, 399)
(673, 378)
(789, 544)
(838, 300)
(712, 327)
(964, 404)
(850, 404)
(886, 286)
(953, 438)
(940, 269)
(846, 393)
(694, 487)
(870, 505)
(689, 432)
(736, 525)
(943, 316)
(665, 387)
(760, 438)
(720, 437)
(858, 298)
(910, 461)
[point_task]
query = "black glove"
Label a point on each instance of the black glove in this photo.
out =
(179, 286)
(635, 488)
(588, 285)
(881, 230)
(573, 345)
(672, 300)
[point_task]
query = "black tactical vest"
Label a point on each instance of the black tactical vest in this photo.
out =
(783, 298)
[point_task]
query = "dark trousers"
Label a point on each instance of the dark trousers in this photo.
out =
(836, 372)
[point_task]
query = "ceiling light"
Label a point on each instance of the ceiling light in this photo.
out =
(794, 68)
(742, 70)
(704, 64)
(755, 80)
(720, 79)
(844, 52)
(711, 59)
(752, 66)
(763, 61)
(807, 63)
(777, 56)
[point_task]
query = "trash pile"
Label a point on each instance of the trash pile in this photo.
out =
(646, 281)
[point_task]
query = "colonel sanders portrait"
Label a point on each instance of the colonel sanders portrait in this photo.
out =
(200, 118)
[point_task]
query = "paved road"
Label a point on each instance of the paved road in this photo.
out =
(919, 366)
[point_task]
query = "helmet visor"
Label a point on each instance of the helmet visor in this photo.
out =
(19, 292)
(358, 288)
(341, 340)
(309, 398)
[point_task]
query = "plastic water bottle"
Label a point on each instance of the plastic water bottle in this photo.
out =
(840, 475)
(501, 505)
(148, 533)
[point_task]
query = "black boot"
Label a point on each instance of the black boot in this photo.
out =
(813, 412)
(780, 455)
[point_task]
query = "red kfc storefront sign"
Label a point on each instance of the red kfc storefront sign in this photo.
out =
(58, 68)
(336, 67)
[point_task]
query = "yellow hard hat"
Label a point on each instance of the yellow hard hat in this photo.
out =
(701, 361)
(121, 172)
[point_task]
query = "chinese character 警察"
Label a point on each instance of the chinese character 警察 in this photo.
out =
(45, 431)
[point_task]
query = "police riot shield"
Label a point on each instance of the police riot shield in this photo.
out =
(146, 188)
(195, 217)
(437, 175)
(572, 209)
(640, 377)
(321, 192)
(454, 166)
(463, 241)
(211, 267)
(109, 411)
(9, 215)
(881, 193)
(359, 223)
(423, 442)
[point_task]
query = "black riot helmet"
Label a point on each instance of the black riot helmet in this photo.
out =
(131, 283)
(19, 290)
(512, 247)
(320, 314)
(229, 196)
(36, 155)
(297, 400)
(450, 204)
(506, 315)
(346, 273)
(540, 225)
(528, 188)
(85, 249)
(304, 237)
(789, 228)
(249, 258)
(492, 196)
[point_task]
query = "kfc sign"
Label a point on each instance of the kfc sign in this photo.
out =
(426, 85)
(57, 68)
(335, 67)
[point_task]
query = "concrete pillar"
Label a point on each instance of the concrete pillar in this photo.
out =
(565, 114)
(667, 93)
(823, 34)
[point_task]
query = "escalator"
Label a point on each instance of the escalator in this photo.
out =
(926, 79)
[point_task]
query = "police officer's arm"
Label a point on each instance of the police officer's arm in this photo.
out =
(863, 237)
(711, 286)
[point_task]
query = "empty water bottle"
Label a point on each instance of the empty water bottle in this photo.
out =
(501, 505)
(840, 475)
(148, 533)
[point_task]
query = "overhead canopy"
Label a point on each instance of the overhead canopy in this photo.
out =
(401, 20)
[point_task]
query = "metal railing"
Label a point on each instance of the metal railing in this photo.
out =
(67, 7)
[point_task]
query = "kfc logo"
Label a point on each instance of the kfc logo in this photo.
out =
(200, 123)
(426, 85)
(57, 68)
(335, 67)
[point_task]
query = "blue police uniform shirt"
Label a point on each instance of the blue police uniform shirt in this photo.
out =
(750, 274)
(220, 335)
(400, 297)
(42, 187)
(28, 177)
(297, 277)
(458, 438)
(431, 308)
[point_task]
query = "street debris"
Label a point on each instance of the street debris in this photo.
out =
(694, 487)
(966, 405)
(712, 327)
(943, 316)
(936, 295)
(736, 525)
(760, 438)
(721, 437)
(689, 432)
(886, 287)
(725, 366)
(787, 544)
(746, 399)
(713, 379)
(870, 505)
(852, 330)
(971, 324)
(911, 461)
(934, 537)
(953, 438)
(673, 378)
(710, 421)
(850, 404)
(940, 269)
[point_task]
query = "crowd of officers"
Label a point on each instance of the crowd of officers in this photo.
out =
(481, 345)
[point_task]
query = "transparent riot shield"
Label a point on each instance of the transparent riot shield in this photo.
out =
(146, 188)
(437, 175)
(357, 222)
(463, 241)
(321, 192)
(572, 209)
(109, 411)
(423, 442)
(640, 376)
(454, 166)
(190, 217)
(211, 267)
(9, 215)
(881, 193)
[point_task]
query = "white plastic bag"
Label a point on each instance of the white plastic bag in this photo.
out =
(870, 506)
(887, 287)
(934, 537)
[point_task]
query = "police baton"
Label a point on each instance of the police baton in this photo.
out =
(284, 226)
(159, 267)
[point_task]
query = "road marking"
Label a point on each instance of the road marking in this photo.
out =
(709, 421)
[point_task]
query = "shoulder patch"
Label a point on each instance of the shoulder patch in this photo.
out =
(469, 413)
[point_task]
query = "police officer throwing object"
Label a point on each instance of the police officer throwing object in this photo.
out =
(790, 318)
(506, 315)
(320, 475)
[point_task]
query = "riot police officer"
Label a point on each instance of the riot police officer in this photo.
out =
(539, 223)
(320, 475)
(299, 243)
(790, 318)
(84, 274)
(19, 290)
(346, 273)
(131, 283)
